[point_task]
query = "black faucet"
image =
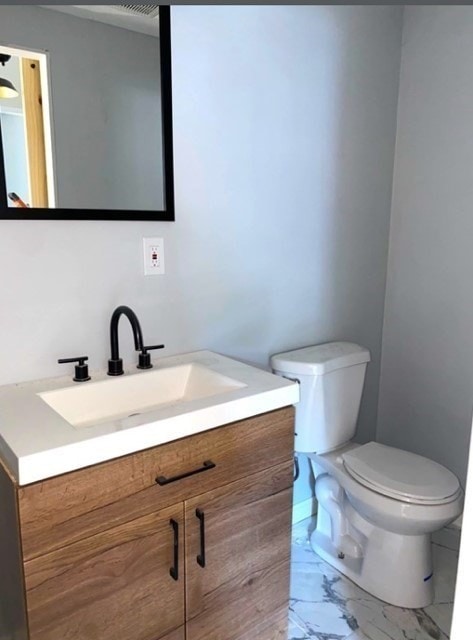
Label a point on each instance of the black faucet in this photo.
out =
(115, 364)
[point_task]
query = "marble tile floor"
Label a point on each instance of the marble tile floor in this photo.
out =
(327, 606)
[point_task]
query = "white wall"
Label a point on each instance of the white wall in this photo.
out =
(426, 394)
(461, 623)
(106, 105)
(284, 121)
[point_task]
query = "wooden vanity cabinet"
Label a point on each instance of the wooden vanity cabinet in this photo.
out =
(107, 553)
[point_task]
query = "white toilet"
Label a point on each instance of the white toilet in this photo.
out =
(377, 505)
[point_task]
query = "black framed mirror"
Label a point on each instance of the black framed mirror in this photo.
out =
(86, 112)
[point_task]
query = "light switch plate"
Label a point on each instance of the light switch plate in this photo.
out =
(153, 254)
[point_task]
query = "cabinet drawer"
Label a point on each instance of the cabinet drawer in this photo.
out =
(68, 508)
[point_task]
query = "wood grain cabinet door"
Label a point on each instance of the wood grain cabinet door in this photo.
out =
(237, 558)
(115, 585)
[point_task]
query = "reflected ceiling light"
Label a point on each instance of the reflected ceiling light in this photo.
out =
(7, 89)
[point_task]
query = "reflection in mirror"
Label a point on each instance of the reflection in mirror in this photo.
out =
(81, 115)
(29, 170)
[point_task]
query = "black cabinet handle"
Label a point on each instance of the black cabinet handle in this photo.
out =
(206, 465)
(174, 571)
(201, 557)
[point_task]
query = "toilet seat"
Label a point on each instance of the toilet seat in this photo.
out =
(401, 475)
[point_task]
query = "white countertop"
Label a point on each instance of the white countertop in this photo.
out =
(37, 443)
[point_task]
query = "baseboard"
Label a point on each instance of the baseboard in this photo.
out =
(303, 510)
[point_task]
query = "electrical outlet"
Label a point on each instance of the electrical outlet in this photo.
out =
(153, 253)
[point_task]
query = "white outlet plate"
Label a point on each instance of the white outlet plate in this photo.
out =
(153, 254)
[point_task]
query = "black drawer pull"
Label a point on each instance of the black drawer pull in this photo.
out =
(201, 557)
(208, 464)
(174, 571)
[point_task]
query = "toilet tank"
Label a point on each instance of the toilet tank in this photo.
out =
(331, 378)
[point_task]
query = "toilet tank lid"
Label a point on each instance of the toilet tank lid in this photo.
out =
(320, 358)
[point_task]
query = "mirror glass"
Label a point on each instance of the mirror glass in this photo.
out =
(82, 117)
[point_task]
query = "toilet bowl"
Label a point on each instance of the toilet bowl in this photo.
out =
(375, 536)
(377, 505)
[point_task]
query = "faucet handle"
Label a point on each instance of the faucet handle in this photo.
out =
(144, 359)
(81, 369)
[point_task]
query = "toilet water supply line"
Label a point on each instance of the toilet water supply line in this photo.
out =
(296, 468)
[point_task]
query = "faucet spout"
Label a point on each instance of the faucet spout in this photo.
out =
(115, 364)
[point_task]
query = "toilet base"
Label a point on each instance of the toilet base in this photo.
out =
(394, 568)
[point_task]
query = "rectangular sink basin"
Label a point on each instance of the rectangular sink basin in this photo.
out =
(93, 403)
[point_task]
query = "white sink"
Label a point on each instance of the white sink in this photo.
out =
(42, 422)
(97, 402)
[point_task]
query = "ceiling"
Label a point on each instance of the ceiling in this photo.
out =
(131, 17)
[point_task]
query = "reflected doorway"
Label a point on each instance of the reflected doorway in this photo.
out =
(25, 126)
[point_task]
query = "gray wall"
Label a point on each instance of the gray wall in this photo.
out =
(427, 373)
(106, 107)
(284, 121)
